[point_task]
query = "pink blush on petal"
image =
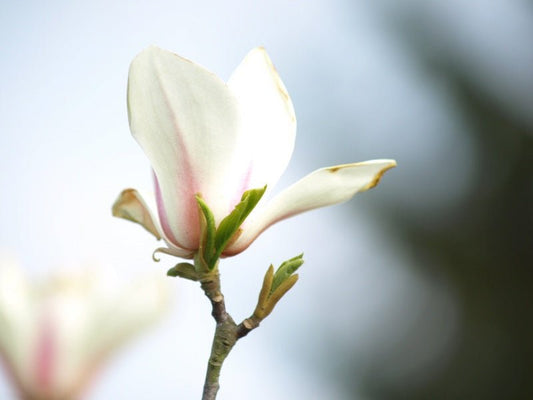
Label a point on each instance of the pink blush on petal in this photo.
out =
(45, 355)
(189, 223)
(163, 213)
(242, 186)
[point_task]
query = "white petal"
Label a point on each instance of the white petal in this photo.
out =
(187, 122)
(131, 206)
(16, 322)
(268, 118)
(323, 187)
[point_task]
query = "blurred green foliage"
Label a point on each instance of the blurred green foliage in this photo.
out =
(483, 246)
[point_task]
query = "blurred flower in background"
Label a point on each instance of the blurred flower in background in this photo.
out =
(56, 334)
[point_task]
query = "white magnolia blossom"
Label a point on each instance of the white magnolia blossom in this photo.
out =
(55, 335)
(204, 136)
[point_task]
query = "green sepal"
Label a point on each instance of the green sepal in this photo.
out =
(201, 266)
(208, 232)
(215, 240)
(285, 270)
(183, 270)
(231, 224)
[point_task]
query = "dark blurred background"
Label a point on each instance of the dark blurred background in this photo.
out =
(481, 243)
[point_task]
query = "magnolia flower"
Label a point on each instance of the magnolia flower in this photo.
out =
(55, 335)
(217, 140)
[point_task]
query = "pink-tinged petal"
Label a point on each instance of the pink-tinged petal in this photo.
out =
(55, 334)
(163, 216)
(131, 206)
(187, 122)
(267, 116)
(323, 187)
(45, 354)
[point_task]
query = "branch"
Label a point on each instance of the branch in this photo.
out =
(227, 332)
(225, 335)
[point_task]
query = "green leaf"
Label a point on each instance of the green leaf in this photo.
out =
(183, 270)
(264, 294)
(230, 225)
(285, 271)
(209, 230)
(280, 291)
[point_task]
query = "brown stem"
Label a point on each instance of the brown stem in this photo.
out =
(227, 333)
(246, 326)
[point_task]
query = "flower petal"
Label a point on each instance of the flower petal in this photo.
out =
(323, 187)
(131, 206)
(268, 118)
(17, 323)
(187, 122)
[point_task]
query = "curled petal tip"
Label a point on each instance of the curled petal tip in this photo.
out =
(171, 252)
(130, 205)
(154, 256)
(382, 165)
(377, 177)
